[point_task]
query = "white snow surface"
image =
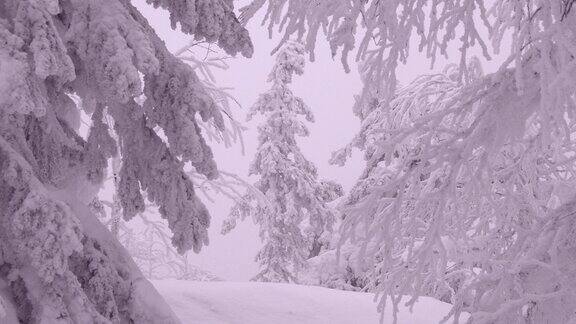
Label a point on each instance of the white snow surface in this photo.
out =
(265, 303)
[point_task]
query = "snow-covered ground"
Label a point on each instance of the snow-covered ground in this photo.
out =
(221, 302)
(267, 303)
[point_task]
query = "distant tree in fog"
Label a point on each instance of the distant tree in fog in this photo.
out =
(295, 215)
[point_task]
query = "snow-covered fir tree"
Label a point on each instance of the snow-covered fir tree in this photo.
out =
(59, 263)
(294, 217)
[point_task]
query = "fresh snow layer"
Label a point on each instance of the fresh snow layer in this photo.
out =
(271, 303)
(7, 309)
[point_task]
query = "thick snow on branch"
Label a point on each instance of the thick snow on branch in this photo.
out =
(212, 20)
(60, 263)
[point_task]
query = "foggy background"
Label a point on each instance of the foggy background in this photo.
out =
(329, 92)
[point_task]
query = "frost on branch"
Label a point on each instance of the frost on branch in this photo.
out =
(204, 59)
(34, 25)
(60, 263)
(160, 174)
(148, 239)
(172, 101)
(212, 20)
(462, 191)
(379, 32)
(294, 214)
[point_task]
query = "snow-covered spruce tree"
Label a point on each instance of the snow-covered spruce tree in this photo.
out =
(296, 214)
(61, 265)
(497, 155)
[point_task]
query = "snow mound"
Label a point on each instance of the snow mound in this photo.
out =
(264, 303)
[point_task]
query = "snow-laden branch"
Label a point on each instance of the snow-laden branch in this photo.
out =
(460, 193)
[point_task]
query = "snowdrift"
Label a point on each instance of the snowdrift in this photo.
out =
(267, 303)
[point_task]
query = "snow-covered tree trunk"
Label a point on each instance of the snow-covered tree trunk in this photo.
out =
(60, 263)
(116, 209)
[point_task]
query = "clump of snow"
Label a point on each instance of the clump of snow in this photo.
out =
(7, 310)
(264, 303)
